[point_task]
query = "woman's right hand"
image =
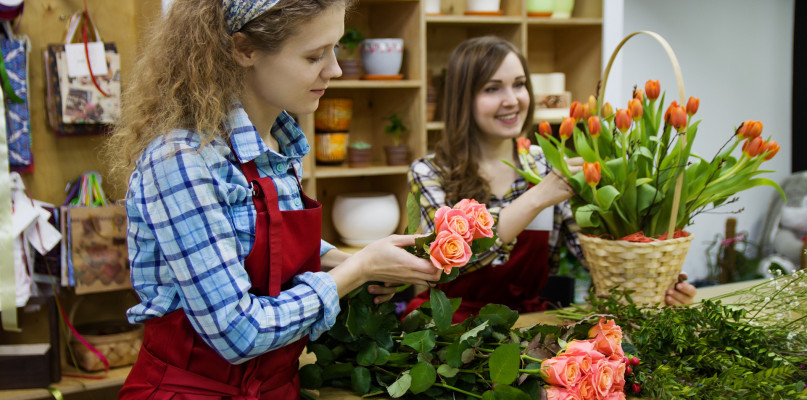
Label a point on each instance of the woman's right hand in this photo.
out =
(554, 188)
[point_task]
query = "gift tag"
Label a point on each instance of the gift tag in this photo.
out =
(543, 221)
(77, 59)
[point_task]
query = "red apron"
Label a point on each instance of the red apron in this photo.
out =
(515, 283)
(175, 363)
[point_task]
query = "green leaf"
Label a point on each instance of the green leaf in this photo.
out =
(421, 341)
(504, 392)
(357, 315)
(324, 354)
(588, 216)
(413, 212)
(473, 332)
(445, 278)
(336, 371)
(412, 321)
(552, 154)
(368, 354)
(447, 370)
(582, 146)
(400, 386)
(454, 354)
(488, 395)
(482, 244)
(606, 195)
(498, 315)
(504, 363)
(311, 376)
(423, 377)
(360, 380)
(441, 309)
(529, 176)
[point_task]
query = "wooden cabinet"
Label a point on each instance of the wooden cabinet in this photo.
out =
(572, 46)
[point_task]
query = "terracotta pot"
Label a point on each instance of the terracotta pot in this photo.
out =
(351, 69)
(397, 155)
(333, 115)
(359, 158)
(331, 147)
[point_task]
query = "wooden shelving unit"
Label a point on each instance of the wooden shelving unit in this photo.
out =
(572, 46)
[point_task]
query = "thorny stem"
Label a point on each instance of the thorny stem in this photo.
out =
(456, 389)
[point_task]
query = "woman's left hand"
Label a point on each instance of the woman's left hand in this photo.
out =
(682, 293)
(383, 293)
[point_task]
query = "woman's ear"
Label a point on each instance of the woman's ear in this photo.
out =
(243, 52)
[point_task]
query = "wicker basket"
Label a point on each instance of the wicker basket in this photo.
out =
(118, 348)
(647, 268)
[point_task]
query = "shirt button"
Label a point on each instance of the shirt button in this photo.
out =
(297, 201)
(280, 168)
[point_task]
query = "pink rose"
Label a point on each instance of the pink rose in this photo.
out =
(556, 393)
(481, 219)
(607, 337)
(586, 390)
(449, 250)
(607, 328)
(601, 378)
(615, 396)
(619, 374)
(583, 347)
(560, 371)
(583, 361)
(456, 221)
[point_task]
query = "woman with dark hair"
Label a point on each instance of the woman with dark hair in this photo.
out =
(224, 246)
(489, 105)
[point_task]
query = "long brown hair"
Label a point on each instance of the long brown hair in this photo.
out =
(471, 66)
(186, 76)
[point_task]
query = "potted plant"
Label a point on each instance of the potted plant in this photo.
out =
(349, 56)
(359, 154)
(397, 153)
(631, 201)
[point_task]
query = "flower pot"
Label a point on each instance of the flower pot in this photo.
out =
(563, 9)
(540, 8)
(482, 5)
(647, 268)
(359, 158)
(382, 56)
(397, 155)
(331, 147)
(362, 218)
(333, 115)
(431, 7)
(351, 69)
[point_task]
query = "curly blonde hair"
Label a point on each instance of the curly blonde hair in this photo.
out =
(186, 76)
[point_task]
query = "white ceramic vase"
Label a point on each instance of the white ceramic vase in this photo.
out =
(362, 218)
(431, 7)
(563, 9)
(482, 5)
(382, 56)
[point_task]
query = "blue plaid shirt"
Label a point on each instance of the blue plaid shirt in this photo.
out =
(192, 225)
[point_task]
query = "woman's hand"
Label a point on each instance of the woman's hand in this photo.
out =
(554, 188)
(383, 293)
(681, 293)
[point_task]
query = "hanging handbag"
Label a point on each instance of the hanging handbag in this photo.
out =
(15, 83)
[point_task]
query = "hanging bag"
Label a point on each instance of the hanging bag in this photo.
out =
(83, 80)
(14, 82)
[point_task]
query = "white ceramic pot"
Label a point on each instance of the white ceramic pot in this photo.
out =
(563, 9)
(362, 218)
(482, 5)
(431, 7)
(382, 56)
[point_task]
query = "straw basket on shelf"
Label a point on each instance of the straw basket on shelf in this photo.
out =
(648, 268)
(118, 341)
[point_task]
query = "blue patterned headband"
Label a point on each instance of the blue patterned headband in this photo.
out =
(238, 13)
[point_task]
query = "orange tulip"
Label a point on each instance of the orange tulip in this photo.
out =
(607, 110)
(636, 110)
(594, 126)
(586, 111)
(523, 145)
(592, 104)
(545, 129)
(754, 147)
(653, 89)
(771, 148)
(678, 118)
(576, 111)
(592, 173)
(667, 113)
(567, 128)
(749, 129)
(638, 94)
(692, 105)
(623, 119)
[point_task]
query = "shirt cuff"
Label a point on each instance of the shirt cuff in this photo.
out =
(325, 287)
(325, 247)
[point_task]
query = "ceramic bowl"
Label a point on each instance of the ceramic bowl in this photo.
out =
(382, 56)
(362, 218)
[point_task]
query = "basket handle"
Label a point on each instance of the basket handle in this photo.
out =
(682, 141)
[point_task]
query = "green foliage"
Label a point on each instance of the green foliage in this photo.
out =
(395, 127)
(360, 145)
(351, 39)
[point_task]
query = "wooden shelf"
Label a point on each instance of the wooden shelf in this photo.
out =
(472, 20)
(69, 385)
(572, 22)
(347, 172)
(362, 84)
(435, 126)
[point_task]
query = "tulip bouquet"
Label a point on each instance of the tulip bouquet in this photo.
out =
(634, 156)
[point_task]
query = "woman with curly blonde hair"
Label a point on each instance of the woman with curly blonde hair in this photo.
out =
(225, 247)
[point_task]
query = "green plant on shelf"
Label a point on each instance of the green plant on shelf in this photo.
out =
(395, 128)
(349, 43)
(360, 145)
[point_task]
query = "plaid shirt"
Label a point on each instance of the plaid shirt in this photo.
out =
(426, 178)
(192, 225)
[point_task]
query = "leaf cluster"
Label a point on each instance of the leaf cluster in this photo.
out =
(708, 351)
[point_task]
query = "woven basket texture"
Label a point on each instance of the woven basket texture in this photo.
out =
(647, 268)
(119, 349)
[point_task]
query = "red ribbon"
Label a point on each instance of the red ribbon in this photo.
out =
(87, 50)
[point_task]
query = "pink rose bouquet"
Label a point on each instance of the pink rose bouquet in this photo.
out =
(588, 369)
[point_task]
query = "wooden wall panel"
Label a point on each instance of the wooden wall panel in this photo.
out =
(58, 160)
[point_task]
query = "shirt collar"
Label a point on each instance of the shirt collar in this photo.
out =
(248, 144)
